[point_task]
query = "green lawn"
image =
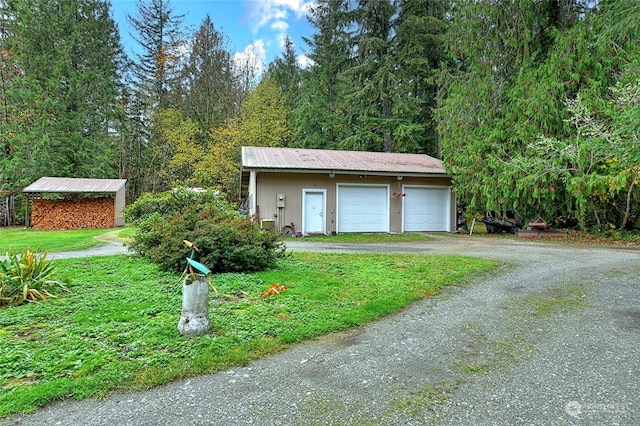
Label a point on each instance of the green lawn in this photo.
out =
(15, 240)
(117, 329)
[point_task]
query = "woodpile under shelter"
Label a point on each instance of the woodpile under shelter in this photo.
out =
(74, 203)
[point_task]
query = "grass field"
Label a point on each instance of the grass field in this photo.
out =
(117, 329)
(16, 239)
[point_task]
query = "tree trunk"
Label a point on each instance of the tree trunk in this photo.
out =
(627, 210)
(386, 114)
(195, 306)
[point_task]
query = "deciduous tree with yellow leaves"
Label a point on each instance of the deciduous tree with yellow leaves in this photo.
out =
(262, 122)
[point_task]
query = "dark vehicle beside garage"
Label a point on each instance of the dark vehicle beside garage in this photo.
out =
(498, 223)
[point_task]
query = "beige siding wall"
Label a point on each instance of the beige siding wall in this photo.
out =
(292, 185)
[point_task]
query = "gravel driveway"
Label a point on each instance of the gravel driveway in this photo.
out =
(552, 339)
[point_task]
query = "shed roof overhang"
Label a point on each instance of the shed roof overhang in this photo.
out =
(75, 185)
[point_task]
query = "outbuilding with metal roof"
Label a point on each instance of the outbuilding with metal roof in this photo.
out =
(314, 191)
(79, 203)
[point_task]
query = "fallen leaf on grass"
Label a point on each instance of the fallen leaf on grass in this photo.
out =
(273, 290)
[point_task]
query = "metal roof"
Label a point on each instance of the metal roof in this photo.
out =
(299, 159)
(69, 185)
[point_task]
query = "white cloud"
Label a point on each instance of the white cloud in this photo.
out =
(278, 18)
(304, 61)
(251, 59)
(266, 11)
(281, 26)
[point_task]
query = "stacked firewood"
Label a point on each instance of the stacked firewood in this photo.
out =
(77, 213)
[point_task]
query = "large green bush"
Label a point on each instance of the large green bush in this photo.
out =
(227, 241)
(170, 202)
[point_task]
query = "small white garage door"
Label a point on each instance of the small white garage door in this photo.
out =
(426, 208)
(363, 208)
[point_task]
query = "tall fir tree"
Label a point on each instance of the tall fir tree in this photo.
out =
(209, 92)
(59, 106)
(321, 119)
(155, 69)
(420, 53)
(286, 73)
(372, 83)
(157, 30)
(130, 150)
(373, 76)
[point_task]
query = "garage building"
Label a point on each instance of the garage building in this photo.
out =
(326, 191)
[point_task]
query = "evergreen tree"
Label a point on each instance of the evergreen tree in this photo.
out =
(157, 31)
(130, 151)
(209, 91)
(373, 76)
(420, 53)
(59, 105)
(372, 84)
(285, 72)
(591, 173)
(321, 119)
(517, 64)
(156, 73)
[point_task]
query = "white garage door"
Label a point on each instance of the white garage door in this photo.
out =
(363, 208)
(426, 209)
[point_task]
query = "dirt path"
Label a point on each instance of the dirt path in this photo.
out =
(553, 338)
(113, 245)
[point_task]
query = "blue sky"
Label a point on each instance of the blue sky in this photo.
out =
(253, 27)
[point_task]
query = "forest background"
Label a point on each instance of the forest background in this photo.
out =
(532, 105)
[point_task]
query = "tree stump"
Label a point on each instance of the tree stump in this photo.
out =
(195, 306)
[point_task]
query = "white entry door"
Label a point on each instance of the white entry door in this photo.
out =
(313, 215)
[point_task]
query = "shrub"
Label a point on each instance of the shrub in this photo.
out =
(236, 244)
(26, 278)
(169, 202)
(227, 241)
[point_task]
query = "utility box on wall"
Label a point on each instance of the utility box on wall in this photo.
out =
(267, 224)
(280, 200)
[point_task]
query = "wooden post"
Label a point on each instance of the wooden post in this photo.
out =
(26, 210)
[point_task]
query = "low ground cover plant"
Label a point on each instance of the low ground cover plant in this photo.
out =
(228, 242)
(117, 328)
